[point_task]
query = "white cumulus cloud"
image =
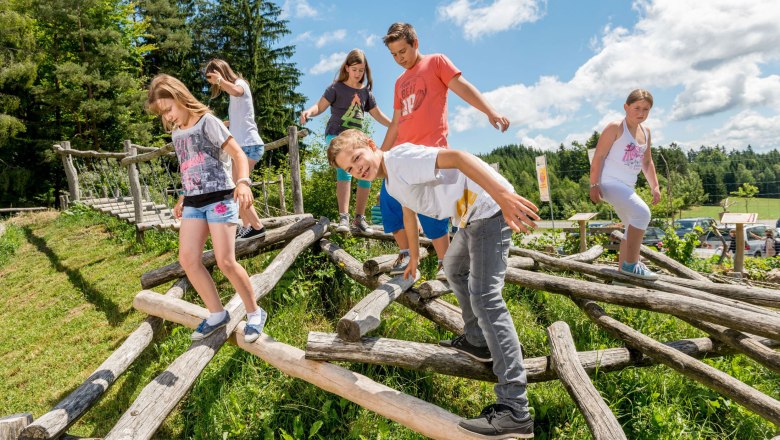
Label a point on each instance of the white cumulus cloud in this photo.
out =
(297, 9)
(478, 21)
(330, 63)
(328, 37)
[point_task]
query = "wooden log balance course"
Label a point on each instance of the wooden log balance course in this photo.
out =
(158, 398)
(11, 426)
(664, 261)
(383, 263)
(602, 423)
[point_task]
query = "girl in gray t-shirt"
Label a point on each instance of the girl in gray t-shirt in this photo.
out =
(209, 203)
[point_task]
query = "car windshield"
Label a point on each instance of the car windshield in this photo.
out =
(684, 224)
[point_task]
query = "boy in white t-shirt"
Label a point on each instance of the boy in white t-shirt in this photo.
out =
(443, 183)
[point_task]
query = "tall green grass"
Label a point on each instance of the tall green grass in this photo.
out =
(67, 294)
(767, 209)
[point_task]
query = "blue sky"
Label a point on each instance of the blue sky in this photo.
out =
(562, 69)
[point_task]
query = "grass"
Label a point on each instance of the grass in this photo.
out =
(68, 282)
(767, 209)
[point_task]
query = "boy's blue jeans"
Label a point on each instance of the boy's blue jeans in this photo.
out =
(475, 265)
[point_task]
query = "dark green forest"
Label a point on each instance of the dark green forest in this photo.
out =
(76, 70)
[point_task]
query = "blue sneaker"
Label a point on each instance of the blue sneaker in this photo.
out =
(204, 329)
(638, 270)
(253, 331)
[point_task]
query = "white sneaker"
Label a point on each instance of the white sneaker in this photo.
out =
(343, 225)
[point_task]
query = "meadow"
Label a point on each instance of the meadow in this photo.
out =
(68, 280)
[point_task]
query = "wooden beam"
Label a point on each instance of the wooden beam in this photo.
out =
(383, 263)
(750, 398)
(602, 423)
(243, 249)
(654, 300)
(420, 356)
(65, 413)
(417, 415)
(159, 397)
(11, 426)
(365, 315)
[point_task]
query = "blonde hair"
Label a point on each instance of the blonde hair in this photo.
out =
(167, 87)
(355, 56)
(224, 70)
(639, 95)
(348, 140)
(400, 31)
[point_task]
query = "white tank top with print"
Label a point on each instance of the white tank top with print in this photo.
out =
(624, 161)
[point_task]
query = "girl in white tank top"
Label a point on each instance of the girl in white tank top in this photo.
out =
(619, 157)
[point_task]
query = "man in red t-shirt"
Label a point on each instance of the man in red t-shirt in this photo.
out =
(420, 117)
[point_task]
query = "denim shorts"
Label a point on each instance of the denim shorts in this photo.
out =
(224, 211)
(254, 152)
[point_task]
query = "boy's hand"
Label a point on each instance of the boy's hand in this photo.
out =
(243, 195)
(498, 121)
(518, 211)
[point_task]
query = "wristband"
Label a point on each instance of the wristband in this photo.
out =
(219, 81)
(595, 185)
(244, 179)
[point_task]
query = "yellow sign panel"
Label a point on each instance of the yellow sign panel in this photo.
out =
(541, 177)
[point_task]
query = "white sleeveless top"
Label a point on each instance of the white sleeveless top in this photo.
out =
(624, 161)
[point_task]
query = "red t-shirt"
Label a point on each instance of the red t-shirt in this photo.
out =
(421, 96)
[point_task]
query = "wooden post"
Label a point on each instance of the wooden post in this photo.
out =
(295, 169)
(583, 238)
(12, 425)
(70, 172)
(135, 189)
(282, 202)
(739, 253)
(602, 423)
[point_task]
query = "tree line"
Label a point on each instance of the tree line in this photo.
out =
(76, 70)
(705, 175)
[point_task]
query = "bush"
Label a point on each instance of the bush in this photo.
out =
(681, 249)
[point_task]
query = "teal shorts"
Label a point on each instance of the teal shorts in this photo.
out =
(343, 176)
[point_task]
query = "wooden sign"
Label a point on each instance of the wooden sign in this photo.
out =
(583, 216)
(737, 217)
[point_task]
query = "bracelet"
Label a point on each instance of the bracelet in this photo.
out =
(219, 81)
(244, 179)
(595, 185)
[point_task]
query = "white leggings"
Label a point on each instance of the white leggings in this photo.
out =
(631, 209)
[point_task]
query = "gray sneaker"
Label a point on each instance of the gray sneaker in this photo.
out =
(440, 275)
(253, 331)
(460, 343)
(204, 328)
(361, 225)
(498, 422)
(343, 225)
(400, 264)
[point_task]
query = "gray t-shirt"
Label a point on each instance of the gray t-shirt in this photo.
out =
(347, 106)
(205, 167)
(241, 112)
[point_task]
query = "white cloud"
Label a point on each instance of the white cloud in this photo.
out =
(745, 128)
(297, 9)
(539, 141)
(713, 52)
(306, 36)
(478, 21)
(331, 63)
(370, 40)
(328, 37)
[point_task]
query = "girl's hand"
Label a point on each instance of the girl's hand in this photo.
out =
(595, 194)
(243, 195)
(213, 77)
(518, 211)
(411, 268)
(305, 116)
(656, 195)
(178, 208)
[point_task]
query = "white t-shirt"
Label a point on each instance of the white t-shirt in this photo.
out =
(413, 180)
(241, 113)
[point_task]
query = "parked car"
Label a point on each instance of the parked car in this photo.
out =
(754, 239)
(686, 225)
(653, 237)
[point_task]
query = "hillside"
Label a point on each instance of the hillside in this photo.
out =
(67, 293)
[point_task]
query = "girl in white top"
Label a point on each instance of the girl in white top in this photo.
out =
(622, 151)
(242, 125)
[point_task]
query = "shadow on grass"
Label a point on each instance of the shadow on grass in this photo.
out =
(104, 304)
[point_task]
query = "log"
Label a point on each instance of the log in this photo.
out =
(284, 220)
(71, 408)
(755, 401)
(168, 148)
(158, 398)
(741, 342)
(418, 415)
(11, 426)
(438, 311)
(609, 273)
(365, 315)
(587, 256)
(381, 235)
(383, 263)
(244, 249)
(750, 294)
(88, 153)
(522, 263)
(295, 169)
(667, 263)
(284, 141)
(433, 358)
(653, 300)
(602, 423)
(33, 209)
(433, 289)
